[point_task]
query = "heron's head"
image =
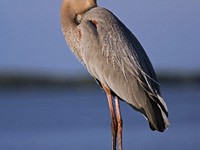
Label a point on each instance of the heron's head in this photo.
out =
(77, 7)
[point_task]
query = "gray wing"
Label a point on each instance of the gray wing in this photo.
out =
(114, 57)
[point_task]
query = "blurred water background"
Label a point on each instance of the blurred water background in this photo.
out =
(49, 118)
(49, 102)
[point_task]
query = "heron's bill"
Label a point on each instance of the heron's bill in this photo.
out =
(79, 18)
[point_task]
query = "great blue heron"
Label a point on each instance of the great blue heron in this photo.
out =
(115, 58)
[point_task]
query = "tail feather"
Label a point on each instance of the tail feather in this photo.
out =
(156, 116)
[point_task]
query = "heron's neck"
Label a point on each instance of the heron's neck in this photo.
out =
(68, 18)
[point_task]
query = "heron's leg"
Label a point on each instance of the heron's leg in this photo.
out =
(113, 117)
(119, 123)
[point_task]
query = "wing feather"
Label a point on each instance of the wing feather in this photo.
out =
(114, 56)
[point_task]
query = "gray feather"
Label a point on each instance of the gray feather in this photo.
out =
(114, 56)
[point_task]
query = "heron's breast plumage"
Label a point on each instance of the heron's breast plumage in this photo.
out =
(72, 37)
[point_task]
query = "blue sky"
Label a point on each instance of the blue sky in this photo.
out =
(31, 40)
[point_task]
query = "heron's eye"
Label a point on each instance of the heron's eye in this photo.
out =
(94, 22)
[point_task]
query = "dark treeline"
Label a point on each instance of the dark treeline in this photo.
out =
(24, 80)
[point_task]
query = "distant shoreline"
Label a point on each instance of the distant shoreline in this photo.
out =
(28, 80)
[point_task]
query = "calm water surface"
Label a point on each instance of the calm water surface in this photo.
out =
(78, 119)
